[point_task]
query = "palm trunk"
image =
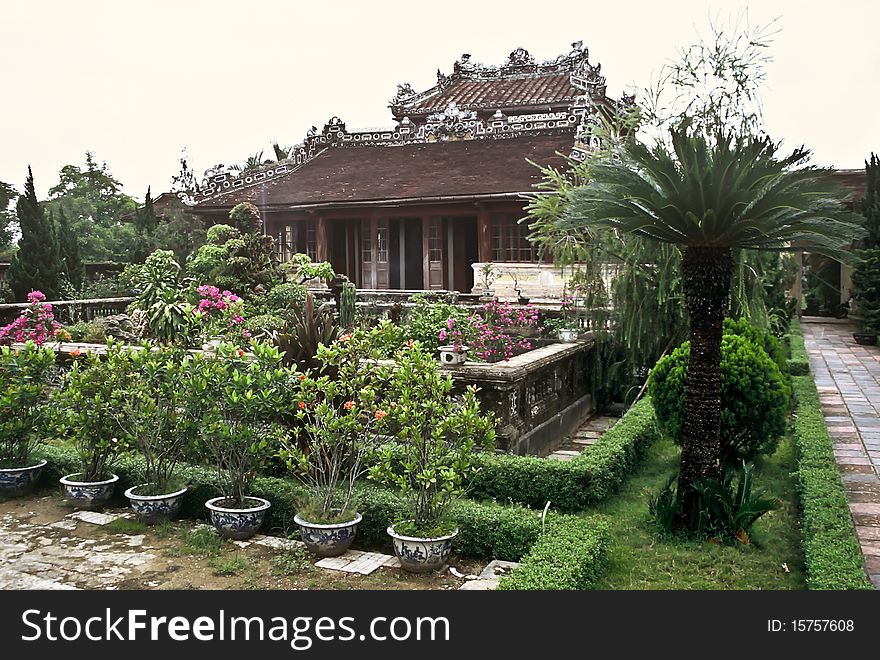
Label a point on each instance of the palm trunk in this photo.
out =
(706, 273)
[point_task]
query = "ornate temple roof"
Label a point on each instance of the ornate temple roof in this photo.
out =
(520, 83)
(468, 135)
(410, 172)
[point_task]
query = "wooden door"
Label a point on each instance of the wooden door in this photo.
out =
(374, 253)
(433, 252)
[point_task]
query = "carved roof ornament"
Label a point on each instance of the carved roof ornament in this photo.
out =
(589, 78)
(453, 123)
(404, 92)
(520, 57)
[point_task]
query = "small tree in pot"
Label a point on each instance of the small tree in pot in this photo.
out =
(333, 430)
(439, 434)
(156, 422)
(242, 396)
(25, 375)
(88, 407)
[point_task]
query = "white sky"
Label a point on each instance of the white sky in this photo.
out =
(136, 82)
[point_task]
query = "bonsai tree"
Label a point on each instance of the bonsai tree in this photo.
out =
(438, 433)
(336, 413)
(713, 192)
(25, 376)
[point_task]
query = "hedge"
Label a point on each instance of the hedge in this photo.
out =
(571, 554)
(799, 364)
(833, 555)
(485, 529)
(570, 485)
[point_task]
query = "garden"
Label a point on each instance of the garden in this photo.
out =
(253, 400)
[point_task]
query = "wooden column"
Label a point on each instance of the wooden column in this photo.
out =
(322, 250)
(484, 235)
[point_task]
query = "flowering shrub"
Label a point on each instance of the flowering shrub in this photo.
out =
(336, 417)
(220, 313)
(25, 377)
(490, 335)
(36, 323)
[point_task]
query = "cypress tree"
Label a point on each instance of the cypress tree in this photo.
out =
(68, 250)
(36, 265)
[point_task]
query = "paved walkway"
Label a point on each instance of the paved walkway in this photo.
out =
(848, 378)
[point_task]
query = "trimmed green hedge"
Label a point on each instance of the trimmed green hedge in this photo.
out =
(799, 364)
(571, 554)
(485, 529)
(834, 558)
(570, 485)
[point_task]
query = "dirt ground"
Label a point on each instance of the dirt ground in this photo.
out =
(43, 547)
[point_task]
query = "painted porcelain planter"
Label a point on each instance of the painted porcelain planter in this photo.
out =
(567, 334)
(237, 524)
(421, 555)
(88, 494)
(153, 509)
(19, 481)
(449, 356)
(212, 344)
(328, 540)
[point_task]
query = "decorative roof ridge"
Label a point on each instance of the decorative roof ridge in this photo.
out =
(520, 64)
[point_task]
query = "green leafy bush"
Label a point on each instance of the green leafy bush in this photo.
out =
(439, 434)
(88, 407)
(570, 554)
(799, 364)
(766, 340)
(834, 558)
(90, 332)
(25, 376)
(755, 398)
(569, 485)
(426, 319)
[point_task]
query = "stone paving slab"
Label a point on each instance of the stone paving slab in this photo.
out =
(848, 379)
(95, 517)
(358, 561)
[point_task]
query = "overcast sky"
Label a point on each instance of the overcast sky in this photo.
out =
(136, 82)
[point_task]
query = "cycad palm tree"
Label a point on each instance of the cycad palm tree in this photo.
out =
(710, 196)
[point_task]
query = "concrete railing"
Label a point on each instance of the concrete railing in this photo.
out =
(71, 311)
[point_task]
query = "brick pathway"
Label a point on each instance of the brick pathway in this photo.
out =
(848, 379)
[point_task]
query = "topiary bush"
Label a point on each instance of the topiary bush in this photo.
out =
(755, 398)
(771, 345)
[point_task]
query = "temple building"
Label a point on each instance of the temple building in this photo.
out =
(425, 203)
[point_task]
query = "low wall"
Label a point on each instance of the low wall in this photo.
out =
(537, 397)
(71, 311)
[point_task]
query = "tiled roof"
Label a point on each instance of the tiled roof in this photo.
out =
(501, 93)
(469, 168)
(852, 179)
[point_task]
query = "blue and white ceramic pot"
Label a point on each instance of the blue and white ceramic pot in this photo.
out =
(421, 555)
(19, 481)
(153, 509)
(88, 494)
(237, 524)
(328, 540)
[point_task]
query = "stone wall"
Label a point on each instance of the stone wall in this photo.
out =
(538, 397)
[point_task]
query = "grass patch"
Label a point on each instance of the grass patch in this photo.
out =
(228, 565)
(201, 542)
(640, 558)
(125, 526)
(289, 563)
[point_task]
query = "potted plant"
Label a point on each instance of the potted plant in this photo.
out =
(25, 374)
(155, 422)
(490, 276)
(520, 298)
(332, 432)
(239, 425)
(88, 407)
(438, 435)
